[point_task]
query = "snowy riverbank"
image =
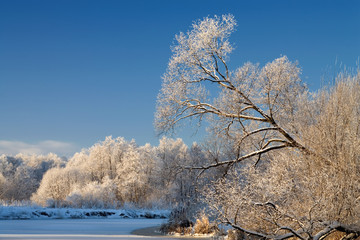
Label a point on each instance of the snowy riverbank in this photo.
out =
(84, 229)
(71, 229)
(23, 212)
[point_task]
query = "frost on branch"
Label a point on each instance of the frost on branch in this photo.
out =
(251, 105)
(116, 173)
(304, 146)
(292, 194)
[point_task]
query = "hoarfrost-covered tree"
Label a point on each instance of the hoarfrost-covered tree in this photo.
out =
(3, 186)
(307, 196)
(120, 171)
(105, 156)
(53, 188)
(131, 176)
(171, 154)
(23, 173)
(94, 195)
(94, 168)
(300, 147)
(253, 106)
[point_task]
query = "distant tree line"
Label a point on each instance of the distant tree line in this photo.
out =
(21, 175)
(111, 174)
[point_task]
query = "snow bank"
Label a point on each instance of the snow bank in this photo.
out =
(21, 212)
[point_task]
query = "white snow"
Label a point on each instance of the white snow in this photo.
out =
(30, 223)
(75, 228)
(65, 229)
(27, 212)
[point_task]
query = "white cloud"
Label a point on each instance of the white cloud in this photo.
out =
(43, 147)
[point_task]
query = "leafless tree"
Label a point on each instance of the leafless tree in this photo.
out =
(249, 105)
(305, 146)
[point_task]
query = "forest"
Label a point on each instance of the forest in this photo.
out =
(111, 174)
(279, 161)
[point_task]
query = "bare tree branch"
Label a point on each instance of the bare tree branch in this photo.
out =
(252, 154)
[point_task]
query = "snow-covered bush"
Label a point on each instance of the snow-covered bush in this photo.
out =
(202, 225)
(94, 195)
(116, 172)
(20, 175)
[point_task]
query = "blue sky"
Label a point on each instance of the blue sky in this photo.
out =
(73, 72)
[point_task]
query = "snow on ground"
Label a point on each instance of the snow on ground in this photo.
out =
(76, 226)
(24, 212)
(75, 229)
(30, 223)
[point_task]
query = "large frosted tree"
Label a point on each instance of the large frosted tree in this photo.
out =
(301, 175)
(253, 106)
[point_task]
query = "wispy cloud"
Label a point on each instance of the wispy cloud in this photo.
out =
(43, 147)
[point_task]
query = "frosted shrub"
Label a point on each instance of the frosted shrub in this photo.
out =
(178, 222)
(202, 226)
(53, 188)
(94, 195)
(117, 172)
(20, 175)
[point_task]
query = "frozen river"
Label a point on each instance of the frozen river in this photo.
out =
(92, 229)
